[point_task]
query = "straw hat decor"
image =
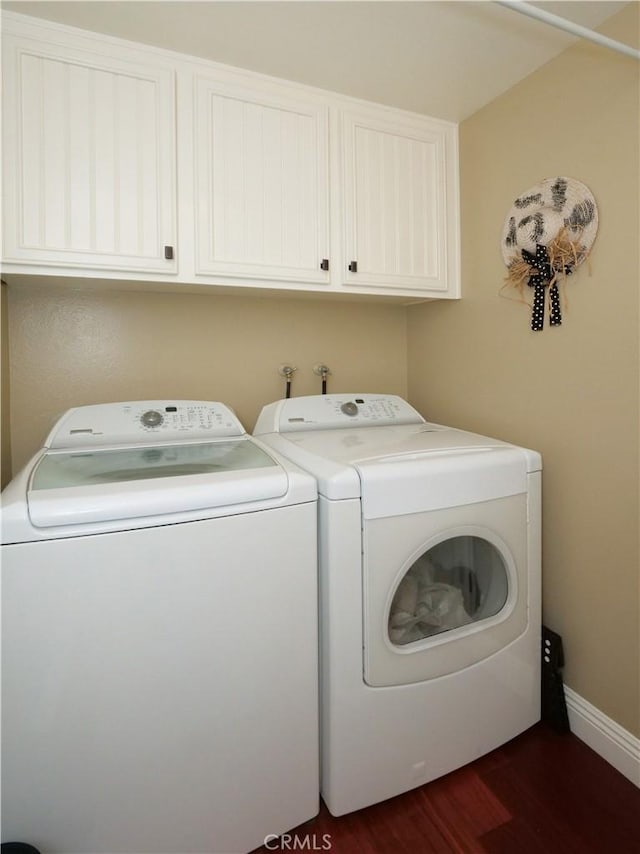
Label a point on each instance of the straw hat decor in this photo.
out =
(548, 232)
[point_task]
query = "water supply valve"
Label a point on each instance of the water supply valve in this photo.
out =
(322, 371)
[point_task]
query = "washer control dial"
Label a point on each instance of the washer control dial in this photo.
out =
(151, 418)
(349, 408)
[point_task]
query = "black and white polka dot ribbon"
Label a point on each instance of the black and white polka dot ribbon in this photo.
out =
(543, 276)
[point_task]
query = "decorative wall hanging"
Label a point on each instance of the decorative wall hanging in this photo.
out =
(548, 232)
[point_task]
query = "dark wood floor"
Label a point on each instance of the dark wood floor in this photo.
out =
(542, 793)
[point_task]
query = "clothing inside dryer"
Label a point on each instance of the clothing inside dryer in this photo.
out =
(458, 581)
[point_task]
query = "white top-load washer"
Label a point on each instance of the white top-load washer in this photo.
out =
(429, 560)
(159, 636)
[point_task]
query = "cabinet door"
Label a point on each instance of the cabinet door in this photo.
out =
(89, 147)
(401, 203)
(261, 184)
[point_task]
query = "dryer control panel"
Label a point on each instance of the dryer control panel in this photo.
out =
(327, 411)
(142, 422)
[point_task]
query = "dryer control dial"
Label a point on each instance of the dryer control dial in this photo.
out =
(349, 408)
(151, 418)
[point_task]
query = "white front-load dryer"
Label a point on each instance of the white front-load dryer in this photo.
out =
(159, 636)
(429, 557)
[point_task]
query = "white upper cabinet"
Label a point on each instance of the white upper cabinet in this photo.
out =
(89, 177)
(399, 194)
(262, 184)
(127, 162)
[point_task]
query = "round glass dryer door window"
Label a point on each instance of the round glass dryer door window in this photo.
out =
(444, 589)
(457, 582)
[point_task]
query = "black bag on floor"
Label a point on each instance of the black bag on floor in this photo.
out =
(17, 848)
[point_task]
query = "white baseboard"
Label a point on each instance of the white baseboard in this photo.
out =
(609, 740)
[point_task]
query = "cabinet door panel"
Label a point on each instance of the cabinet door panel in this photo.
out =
(89, 147)
(261, 185)
(396, 204)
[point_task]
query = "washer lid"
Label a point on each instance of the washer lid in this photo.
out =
(75, 487)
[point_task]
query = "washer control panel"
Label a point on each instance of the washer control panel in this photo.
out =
(327, 411)
(142, 422)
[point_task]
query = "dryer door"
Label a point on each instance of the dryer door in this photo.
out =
(443, 589)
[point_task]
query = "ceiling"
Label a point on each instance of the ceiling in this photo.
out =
(445, 59)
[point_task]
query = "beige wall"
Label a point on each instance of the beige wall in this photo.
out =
(5, 432)
(70, 348)
(570, 392)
